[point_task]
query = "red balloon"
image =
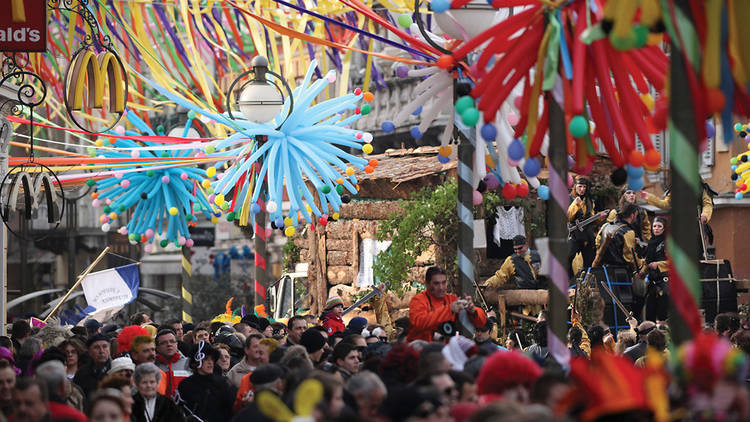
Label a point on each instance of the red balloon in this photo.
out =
(522, 189)
(509, 191)
(323, 219)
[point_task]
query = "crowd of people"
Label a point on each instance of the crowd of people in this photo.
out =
(413, 370)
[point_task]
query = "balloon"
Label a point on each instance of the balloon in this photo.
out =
(440, 6)
(105, 227)
(710, 130)
(464, 103)
(570, 180)
(634, 172)
(543, 192)
(517, 102)
(509, 191)
(149, 248)
(738, 195)
(125, 184)
(531, 167)
(271, 207)
(255, 208)
(470, 117)
(618, 176)
(491, 181)
(635, 184)
(489, 132)
(522, 189)
(578, 126)
(443, 159)
(415, 133)
(516, 150)
(404, 20)
(477, 198)
(653, 158)
(636, 158)
(289, 231)
(513, 118)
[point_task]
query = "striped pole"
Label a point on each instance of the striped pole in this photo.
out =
(187, 297)
(682, 241)
(466, 218)
(557, 229)
(261, 280)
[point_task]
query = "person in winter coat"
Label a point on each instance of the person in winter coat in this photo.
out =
(148, 404)
(205, 394)
(174, 364)
(331, 316)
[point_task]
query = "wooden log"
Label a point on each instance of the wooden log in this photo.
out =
(377, 210)
(339, 275)
(301, 242)
(339, 229)
(525, 297)
(321, 282)
(338, 258)
(338, 244)
(354, 254)
(395, 302)
(314, 272)
(304, 255)
(501, 316)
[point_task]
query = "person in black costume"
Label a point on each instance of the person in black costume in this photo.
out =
(657, 295)
(205, 394)
(581, 207)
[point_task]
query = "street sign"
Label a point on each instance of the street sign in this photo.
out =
(23, 25)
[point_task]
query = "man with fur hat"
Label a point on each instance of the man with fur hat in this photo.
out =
(517, 268)
(89, 375)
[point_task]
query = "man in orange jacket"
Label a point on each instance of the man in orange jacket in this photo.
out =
(433, 306)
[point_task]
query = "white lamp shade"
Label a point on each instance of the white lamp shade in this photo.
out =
(474, 18)
(260, 102)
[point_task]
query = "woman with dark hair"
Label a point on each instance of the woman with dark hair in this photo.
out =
(205, 394)
(107, 406)
(73, 349)
(657, 295)
(581, 208)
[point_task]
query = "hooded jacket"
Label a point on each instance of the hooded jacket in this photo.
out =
(427, 312)
(332, 323)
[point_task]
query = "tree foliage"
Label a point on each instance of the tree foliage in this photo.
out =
(430, 218)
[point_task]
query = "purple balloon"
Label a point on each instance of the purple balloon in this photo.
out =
(491, 181)
(402, 71)
(710, 130)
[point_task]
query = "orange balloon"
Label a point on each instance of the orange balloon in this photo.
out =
(374, 163)
(369, 169)
(367, 96)
(445, 61)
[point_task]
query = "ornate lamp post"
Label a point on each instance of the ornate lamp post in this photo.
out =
(260, 101)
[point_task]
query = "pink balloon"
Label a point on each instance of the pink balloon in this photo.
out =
(95, 203)
(149, 233)
(165, 179)
(118, 175)
(135, 153)
(148, 248)
(477, 199)
(512, 163)
(181, 240)
(512, 118)
(570, 181)
(125, 184)
(331, 77)
(120, 130)
(183, 176)
(517, 102)
(123, 230)
(108, 201)
(189, 243)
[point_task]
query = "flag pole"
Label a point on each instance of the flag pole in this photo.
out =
(78, 282)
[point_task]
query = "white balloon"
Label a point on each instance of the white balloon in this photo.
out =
(105, 227)
(271, 207)
(367, 137)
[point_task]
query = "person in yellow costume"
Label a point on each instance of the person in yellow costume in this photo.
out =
(621, 249)
(642, 225)
(517, 268)
(581, 207)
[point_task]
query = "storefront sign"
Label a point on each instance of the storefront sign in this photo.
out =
(99, 68)
(23, 25)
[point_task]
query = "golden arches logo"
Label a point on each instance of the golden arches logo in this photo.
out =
(32, 191)
(99, 68)
(18, 11)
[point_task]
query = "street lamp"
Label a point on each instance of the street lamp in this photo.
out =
(467, 21)
(260, 101)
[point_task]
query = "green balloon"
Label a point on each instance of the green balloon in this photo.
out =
(164, 243)
(733, 161)
(121, 208)
(640, 35)
(464, 103)
(132, 236)
(150, 173)
(340, 190)
(191, 114)
(107, 209)
(325, 189)
(578, 126)
(230, 216)
(90, 182)
(470, 116)
(622, 43)
(404, 20)
(366, 109)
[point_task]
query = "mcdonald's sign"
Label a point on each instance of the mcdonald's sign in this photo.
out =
(23, 25)
(32, 192)
(105, 66)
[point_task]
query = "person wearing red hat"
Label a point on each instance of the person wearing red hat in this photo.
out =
(507, 375)
(434, 306)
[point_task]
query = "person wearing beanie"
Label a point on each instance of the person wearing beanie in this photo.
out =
(314, 342)
(331, 316)
(122, 366)
(509, 375)
(207, 395)
(356, 325)
(88, 376)
(517, 268)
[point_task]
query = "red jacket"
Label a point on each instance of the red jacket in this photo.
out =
(427, 312)
(63, 412)
(332, 322)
